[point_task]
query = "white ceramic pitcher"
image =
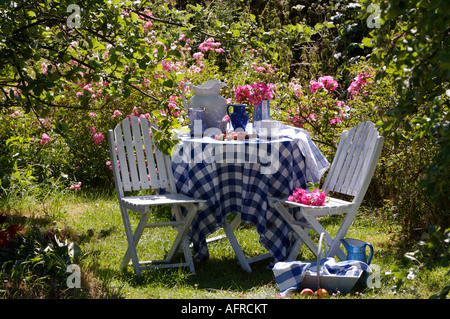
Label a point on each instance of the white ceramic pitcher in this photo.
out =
(207, 96)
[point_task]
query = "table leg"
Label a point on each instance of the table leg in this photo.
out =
(229, 231)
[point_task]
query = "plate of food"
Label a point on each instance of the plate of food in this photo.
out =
(234, 136)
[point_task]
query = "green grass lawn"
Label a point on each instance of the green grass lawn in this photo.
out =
(95, 221)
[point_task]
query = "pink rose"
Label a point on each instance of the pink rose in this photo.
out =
(329, 83)
(98, 138)
(117, 113)
(45, 139)
(198, 55)
(315, 86)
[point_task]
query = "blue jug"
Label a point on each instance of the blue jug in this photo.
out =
(239, 118)
(356, 249)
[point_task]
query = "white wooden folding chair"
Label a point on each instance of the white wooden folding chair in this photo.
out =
(350, 173)
(138, 165)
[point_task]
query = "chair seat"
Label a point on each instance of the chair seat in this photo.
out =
(142, 202)
(333, 206)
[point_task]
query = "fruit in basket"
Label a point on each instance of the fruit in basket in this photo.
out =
(321, 293)
(307, 292)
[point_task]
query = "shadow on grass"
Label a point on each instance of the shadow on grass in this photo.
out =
(211, 276)
(22, 219)
(226, 273)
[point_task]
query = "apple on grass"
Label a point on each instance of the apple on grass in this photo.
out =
(321, 292)
(307, 292)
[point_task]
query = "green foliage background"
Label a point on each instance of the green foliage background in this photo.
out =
(45, 67)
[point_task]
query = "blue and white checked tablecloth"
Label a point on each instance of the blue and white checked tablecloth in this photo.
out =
(244, 185)
(289, 275)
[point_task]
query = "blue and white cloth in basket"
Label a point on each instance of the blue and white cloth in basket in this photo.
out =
(289, 275)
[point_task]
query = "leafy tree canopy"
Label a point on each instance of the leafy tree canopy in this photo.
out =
(412, 43)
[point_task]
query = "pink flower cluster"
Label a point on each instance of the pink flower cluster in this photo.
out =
(313, 198)
(211, 45)
(359, 82)
(174, 100)
(12, 112)
(325, 82)
(45, 139)
(253, 94)
(297, 88)
(198, 56)
(262, 68)
(116, 113)
(75, 187)
(149, 23)
(98, 137)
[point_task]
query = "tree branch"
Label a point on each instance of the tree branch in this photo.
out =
(142, 92)
(170, 22)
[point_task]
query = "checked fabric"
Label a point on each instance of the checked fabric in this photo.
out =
(237, 177)
(289, 275)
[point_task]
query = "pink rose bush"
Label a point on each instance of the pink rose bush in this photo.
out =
(262, 67)
(322, 105)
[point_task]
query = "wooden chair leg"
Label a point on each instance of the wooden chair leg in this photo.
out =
(132, 241)
(188, 255)
(182, 231)
(229, 229)
(296, 248)
(332, 243)
(336, 243)
(296, 227)
(180, 242)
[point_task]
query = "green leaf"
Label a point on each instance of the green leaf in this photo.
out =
(168, 83)
(367, 42)
(174, 53)
(74, 250)
(126, 92)
(166, 146)
(134, 17)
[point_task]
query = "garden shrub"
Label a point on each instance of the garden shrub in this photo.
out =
(55, 116)
(411, 44)
(34, 260)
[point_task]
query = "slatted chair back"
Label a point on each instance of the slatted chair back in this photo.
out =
(136, 161)
(355, 161)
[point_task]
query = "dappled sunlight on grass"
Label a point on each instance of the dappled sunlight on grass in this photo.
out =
(95, 221)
